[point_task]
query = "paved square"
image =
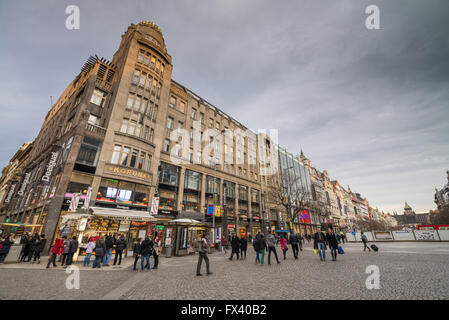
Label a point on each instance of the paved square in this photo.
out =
(407, 271)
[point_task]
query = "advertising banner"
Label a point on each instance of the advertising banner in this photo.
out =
(380, 235)
(403, 235)
(427, 235)
(25, 182)
(52, 162)
(154, 206)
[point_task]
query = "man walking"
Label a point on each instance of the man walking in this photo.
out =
(119, 247)
(73, 247)
(146, 247)
(294, 243)
(203, 248)
(319, 243)
(235, 244)
(365, 241)
(109, 243)
(271, 242)
(342, 236)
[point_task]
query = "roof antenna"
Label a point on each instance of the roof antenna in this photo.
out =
(51, 101)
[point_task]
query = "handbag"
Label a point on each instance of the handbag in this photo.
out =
(340, 250)
(315, 251)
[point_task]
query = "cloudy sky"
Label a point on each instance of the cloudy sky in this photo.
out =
(370, 106)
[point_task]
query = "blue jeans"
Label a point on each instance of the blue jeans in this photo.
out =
(257, 256)
(147, 257)
(97, 262)
(87, 259)
(107, 257)
(321, 249)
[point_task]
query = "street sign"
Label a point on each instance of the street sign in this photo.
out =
(217, 211)
(210, 209)
(154, 205)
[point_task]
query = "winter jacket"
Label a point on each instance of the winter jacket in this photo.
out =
(293, 239)
(262, 243)
(157, 248)
(121, 244)
(100, 248)
(6, 245)
(146, 247)
(283, 243)
(243, 243)
(319, 237)
(271, 240)
(35, 243)
(136, 248)
(58, 246)
(364, 238)
(203, 246)
(73, 246)
(90, 247)
(41, 246)
(66, 246)
(332, 241)
(235, 244)
(109, 242)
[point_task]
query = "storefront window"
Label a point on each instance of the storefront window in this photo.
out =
(243, 193)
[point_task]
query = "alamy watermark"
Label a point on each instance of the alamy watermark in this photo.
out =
(73, 20)
(73, 280)
(373, 280)
(372, 22)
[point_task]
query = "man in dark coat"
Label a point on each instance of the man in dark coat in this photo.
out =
(319, 243)
(34, 246)
(5, 246)
(73, 247)
(119, 247)
(333, 243)
(294, 242)
(146, 248)
(39, 248)
(235, 244)
(243, 247)
(109, 242)
(100, 251)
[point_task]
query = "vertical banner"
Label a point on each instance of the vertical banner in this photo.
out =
(74, 202)
(154, 206)
(88, 196)
(52, 162)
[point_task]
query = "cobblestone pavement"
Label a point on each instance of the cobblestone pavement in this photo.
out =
(407, 271)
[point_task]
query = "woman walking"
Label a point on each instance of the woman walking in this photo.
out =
(157, 248)
(55, 251)
(39, 248)
(332, 242)
(65, 250)
(243, 247)
(284, 246)
(90, 247)
(5, 246)
(136, 252)
(262, 246)
(224, 243)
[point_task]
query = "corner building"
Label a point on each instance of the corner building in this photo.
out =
(107, 138)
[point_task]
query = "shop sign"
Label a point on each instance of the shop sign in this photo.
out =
(217, 211)
(25, 182)
(161, 227)
(124, 226)
(231, 226)
(128, 172)
(10, 193)
(154, 205)
(210, 209)
(51, 164)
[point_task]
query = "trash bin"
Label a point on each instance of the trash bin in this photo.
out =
(168, 251)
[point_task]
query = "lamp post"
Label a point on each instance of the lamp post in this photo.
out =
(215, 181)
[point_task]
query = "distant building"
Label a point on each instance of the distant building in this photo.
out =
(410, 218)
(442, 196)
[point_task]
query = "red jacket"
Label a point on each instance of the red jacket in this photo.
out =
(58, 246)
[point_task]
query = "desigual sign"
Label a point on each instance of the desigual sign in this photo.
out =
(50, 166)
(128, 172)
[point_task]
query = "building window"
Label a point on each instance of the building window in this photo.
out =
(136, 77)
(182, 106)
(94, 120)
(98, 97)
(137, 103)
(201, 117)
(193, 113)
(89, 152)
(125, 155)
(130, 102)
(172, 102)
(133, 160)
(170, 123)
(116, 154)
(166, 146)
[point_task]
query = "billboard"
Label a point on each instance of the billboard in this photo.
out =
(383, 235)
(403, 235)
(428, 235)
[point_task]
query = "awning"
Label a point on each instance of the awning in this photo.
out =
(20, 224)
(123, 214)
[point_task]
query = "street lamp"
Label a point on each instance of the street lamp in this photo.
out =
(215, 181)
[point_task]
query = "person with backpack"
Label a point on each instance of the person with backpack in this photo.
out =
(365, 242)
(146, 247)
(100, 251)
(203, 250)
(235, 244)
(271, 243)
(319, 243)
(332, 241)
(243, 247)
(109, 243)
(119, 247)
(55, 251)
(73, 247)
(294, 243)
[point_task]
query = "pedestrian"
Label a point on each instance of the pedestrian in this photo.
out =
(319, 243)
(294, 242)
(224, 243)
(157, 248)
(34, 246)
(109, 243)
(100, 251)
(243, 247)
(24, 240)
(65, 250)
(119, 247)
(55, 251)
(136, 252)
(73, 247)
(284, 246)
(338, 237)
(342, 236)
(146, 247)
(262, 246)
(235, 244)
(332, 242)
(301, 240)
(271, 242)
(90, 247)
(203, 249)
(5, 245)
(365, 242)
(39, 248)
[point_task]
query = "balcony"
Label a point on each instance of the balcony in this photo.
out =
(96, 130)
